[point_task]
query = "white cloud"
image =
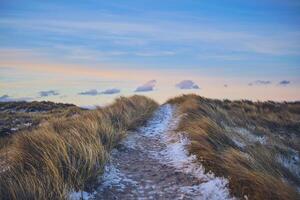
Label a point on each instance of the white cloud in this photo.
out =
(94, 92)
(149, 86)
(187, 84)
(91, 92)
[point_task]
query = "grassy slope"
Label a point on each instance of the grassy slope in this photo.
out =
(26, 116)
(68, 152)
(245, 142)
(16, 116)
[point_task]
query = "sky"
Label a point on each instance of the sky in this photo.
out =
(88, 52)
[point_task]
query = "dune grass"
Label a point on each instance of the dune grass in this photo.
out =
(255, 145)
(67, 153)
(21, 116)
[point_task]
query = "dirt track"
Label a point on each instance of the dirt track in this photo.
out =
(152, 163)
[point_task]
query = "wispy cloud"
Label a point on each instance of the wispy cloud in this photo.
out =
(155, 53)
(130, 32)
(149, 86)
(187, 84)
(260, 82)
(48, 93)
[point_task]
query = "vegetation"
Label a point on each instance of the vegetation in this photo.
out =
(253, 144)
(67, 153)
(34, 106)
(16, 116)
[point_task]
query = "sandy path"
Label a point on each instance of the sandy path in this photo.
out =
(153, 163)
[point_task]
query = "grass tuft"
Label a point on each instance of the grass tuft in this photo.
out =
(67, 153)
(253, 144)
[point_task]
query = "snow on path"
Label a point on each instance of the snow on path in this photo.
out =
(153, 163)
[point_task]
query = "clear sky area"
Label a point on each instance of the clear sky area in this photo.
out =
(88, 52)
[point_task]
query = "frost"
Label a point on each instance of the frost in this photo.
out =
(164, 149)
(176, 155)
(28, 124)
(113, 177)
(242, 137)
(291, 162)
(81, 195)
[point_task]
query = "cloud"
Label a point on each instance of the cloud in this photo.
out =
(260, 82)
(155, 53)
(91, 92)
(6, 98)
(130, 32)
(48, 93)
(149, 86)
(187, 84)
(284, 82)
(94, 92)
(111, 91)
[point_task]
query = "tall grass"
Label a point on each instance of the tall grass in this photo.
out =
(15, 115)
(243, 141)
(68, 153)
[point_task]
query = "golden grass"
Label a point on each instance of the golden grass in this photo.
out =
(253, 169)
(16, 114)
(68, 153)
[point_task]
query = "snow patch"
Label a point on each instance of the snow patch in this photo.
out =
(242, 137)
(291, 162)
(28, 124)
(81, 195)
(113, 177)
(14, 129)
(130, 141)
(176, 155)
(208, 190)
(250, 137)
(171, 150)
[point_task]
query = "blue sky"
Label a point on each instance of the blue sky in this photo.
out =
(228, 39)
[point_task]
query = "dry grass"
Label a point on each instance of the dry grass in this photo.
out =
(68, 152)
(247, 142)
(20, 116)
